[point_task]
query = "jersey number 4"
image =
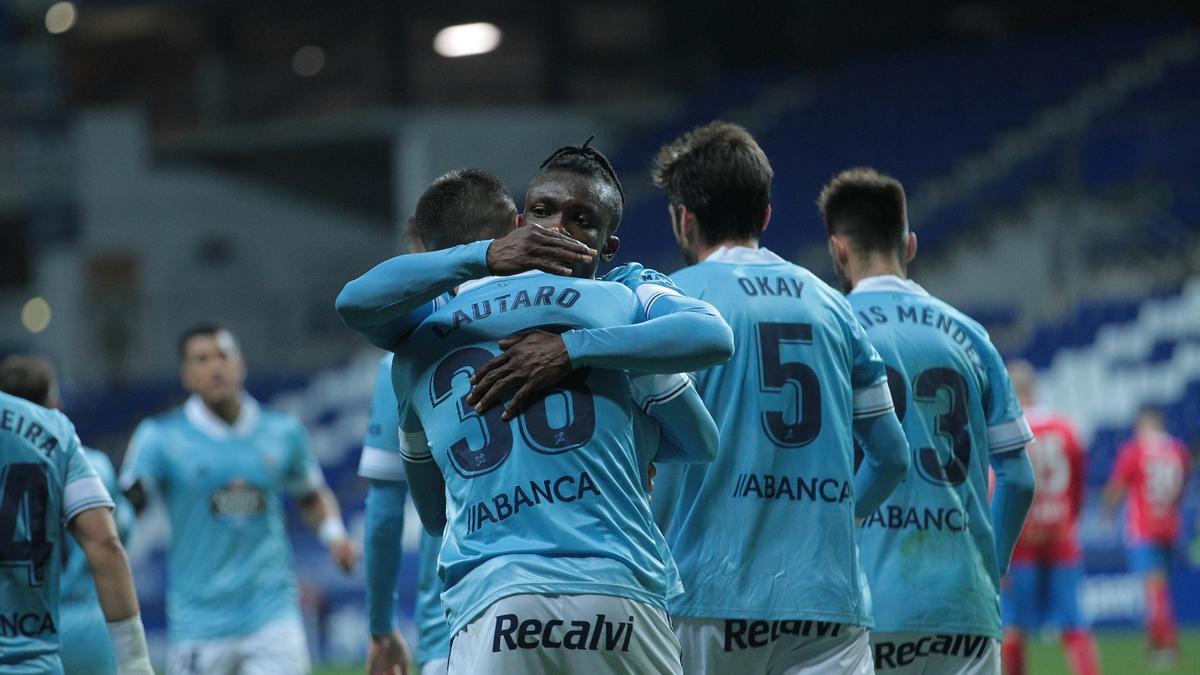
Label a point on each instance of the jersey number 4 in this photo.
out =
(534, 423)
(23, 542)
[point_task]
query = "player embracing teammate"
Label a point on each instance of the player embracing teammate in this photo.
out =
(765, 536)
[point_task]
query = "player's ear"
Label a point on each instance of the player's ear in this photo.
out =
(766, 220)
(516, 222)
(838, 250)
(911, 250)
(610, 247)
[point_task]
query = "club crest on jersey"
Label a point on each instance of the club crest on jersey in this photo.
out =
(239, 499)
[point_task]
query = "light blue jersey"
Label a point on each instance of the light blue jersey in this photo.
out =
(45, 481)
(930, 551)
(381, 460)
(767, 530)
(553, 501)
(229, 564)
(87, 646)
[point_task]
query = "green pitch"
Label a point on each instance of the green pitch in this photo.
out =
(1121, 653)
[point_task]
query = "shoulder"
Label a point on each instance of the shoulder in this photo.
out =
(633, 274)
(169, 419)
(279, 421)
(693, 277)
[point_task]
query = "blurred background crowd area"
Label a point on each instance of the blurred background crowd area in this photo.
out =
(169, 162)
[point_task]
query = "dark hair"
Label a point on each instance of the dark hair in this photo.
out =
(202, 329)
(590, 162)
(867, 207)
(719, 173)
(463, 206)
(29, 377)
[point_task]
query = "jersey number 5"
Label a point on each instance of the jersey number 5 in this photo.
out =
(23, 540)
(535, 422)
(774, 376)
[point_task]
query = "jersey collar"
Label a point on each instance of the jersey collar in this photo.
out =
(888, 283)
(744, 255)
(476, 283)
(214, 427)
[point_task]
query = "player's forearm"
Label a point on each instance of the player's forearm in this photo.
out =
(1011, 503)
(885, 461)
(113, 578)
(320, 512)
(386, 303)
(682, 335)
(428, 489)
(689, 434)
(383, 551)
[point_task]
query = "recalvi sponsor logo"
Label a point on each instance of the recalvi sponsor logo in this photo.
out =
(512, 632)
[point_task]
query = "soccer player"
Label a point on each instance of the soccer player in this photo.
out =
(87, 647)
(1152, 467)
(673, 421)
(382, 464)
(764, 536)
(933, 553)
(48, 486)
(220, 463)
(1047, 569)
(624, 571)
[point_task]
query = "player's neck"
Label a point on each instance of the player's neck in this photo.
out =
(228, 409)
(704, 249)
(876, 266)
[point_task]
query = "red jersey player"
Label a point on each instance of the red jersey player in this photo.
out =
(1046, 571)
(1152, 467)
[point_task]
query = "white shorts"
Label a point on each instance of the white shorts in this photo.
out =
(745, 647)
(593, 634)
(935, 653)
(277, 648)
(436, 667)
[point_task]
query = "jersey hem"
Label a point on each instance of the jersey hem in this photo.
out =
(240, 631)
(552, 588)
(945, 629)
(770, 615)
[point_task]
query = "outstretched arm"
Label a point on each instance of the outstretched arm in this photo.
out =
(885, 461)
(1010, 505)
(96, 533)
(388, 302)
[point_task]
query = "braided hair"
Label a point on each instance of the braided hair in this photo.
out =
(590, 162)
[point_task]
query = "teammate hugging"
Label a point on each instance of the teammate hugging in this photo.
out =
(822, 462)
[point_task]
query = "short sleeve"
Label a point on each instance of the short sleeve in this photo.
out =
(83, 488)
(145, 460)
(652, 389)
(381, 458)
(415, 446)
(1007, 428)
(868, 375)
(304, 474)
